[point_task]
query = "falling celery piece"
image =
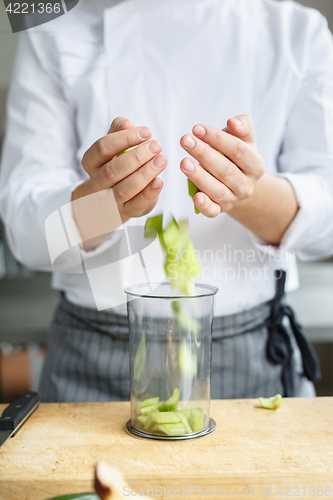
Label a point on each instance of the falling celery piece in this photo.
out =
(172, 429)
(149, 402)
(182, 272)
(185, 422)
(173, 238)
(126, 150)
(184, 320)
(196, 419)
(147, 410)
(187, 361)
(140, 360)
(170, 404)
(271, 403)
(154, 224)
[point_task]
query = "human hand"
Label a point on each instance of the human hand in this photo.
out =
(233, 175)
(122, 186)
(133, 177)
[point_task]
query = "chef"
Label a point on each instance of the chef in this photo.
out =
(183, 80)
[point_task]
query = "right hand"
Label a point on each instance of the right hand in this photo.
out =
(133, 176)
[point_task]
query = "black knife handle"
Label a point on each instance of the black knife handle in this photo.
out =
(18, 411)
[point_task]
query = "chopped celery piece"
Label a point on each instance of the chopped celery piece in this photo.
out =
(149, 402)
(154, 224)
(187, 361)
(172, 429)
(126, 150)
(150, 421)
(170, 404)
(271, 403)
(181, 264)
(143, 419)
(140, 360)
(185, 412)
(185, 422)
(182, 272)
(196, 419)
(173, 238)
(192, 191)
(166, 417)
(146, 410)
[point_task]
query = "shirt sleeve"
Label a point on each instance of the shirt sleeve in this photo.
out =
(40, 168)
(306, 157)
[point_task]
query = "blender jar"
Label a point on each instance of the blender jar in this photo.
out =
(170, 357)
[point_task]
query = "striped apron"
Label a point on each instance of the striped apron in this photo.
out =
(260, 352)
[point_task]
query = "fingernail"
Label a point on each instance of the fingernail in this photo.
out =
(238, 121)
(158, 162)
(200, 200)
(189, 142)
(199, 130)
(188, 166)
(154, 147)
(122, 123)
(144, 133)
(155, 184)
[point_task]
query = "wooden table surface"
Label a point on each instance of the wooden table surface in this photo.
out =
(280, 454)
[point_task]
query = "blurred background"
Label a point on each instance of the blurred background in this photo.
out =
(27, 301)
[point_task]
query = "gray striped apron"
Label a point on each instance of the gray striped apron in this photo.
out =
(254, 353)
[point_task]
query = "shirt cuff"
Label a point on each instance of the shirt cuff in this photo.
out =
(311, 221)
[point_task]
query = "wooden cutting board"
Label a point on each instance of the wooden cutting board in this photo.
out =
(288, 452)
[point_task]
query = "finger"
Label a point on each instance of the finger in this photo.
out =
(208, 184)
(219, 166)
(120, 123)
(145, 201)
(139, 180)
(125, 165)
(240, 153)
(110, 145)
(241, 126)
(206, 206)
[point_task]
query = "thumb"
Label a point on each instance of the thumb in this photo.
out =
(120, 123)
(241, 126)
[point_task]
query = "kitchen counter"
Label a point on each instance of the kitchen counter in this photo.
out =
(288, 452)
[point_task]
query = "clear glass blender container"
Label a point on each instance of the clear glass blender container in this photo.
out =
(170, 360)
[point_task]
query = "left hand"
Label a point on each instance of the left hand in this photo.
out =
(233, 178)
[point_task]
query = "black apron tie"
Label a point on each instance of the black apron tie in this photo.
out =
(279, 347)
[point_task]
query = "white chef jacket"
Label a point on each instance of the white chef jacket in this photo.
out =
(170, 64)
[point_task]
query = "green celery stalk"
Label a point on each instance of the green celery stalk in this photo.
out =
(186, 412)
(143, 419)
(271, 403)
(196, 419)
(149, 402)
(172, 429)
(166, 417)
(185, 422)
(147, 410)
(170, 404)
